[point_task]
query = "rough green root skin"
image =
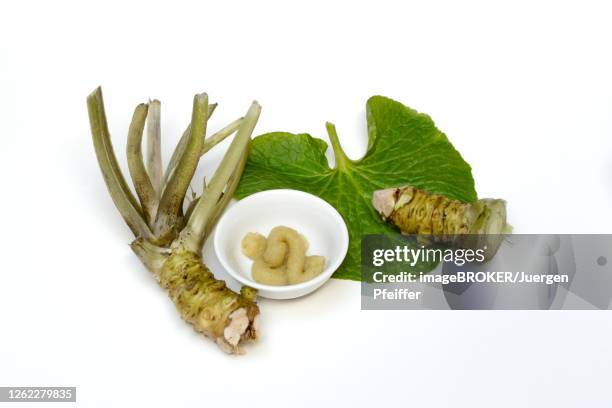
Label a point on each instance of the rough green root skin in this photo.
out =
(422, 213)
(417, 212)
(203, 301)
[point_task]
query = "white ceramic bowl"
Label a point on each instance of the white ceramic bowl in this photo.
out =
(311, 216)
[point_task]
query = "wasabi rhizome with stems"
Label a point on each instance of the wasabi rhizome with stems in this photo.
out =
(168, 240)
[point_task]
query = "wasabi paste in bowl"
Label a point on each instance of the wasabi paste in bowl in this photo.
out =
(313, 217)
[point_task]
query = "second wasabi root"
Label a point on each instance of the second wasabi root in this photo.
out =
(418, 212)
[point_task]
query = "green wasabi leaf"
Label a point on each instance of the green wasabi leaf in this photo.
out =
(404, 147)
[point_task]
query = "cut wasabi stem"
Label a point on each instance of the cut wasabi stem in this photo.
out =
(228, 193)
(199, 222)
(209, 143)
(227, 317)
(182, 144)
(120, 193)
(481, 224)
(140, 178)
(154, 159)
(171, 202)
(221, 135)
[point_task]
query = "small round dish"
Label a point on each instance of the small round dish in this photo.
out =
(311, 216)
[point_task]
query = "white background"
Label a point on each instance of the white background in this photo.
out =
(523, 90)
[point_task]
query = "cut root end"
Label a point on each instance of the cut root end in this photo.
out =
(383, 201)
(240, 329)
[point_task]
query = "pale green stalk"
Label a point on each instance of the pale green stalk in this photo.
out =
(171, 202)
(180, 148)
(154, 159)
(228, 193)
(140, 178)
(194, 233)
(221, 135)
(120, 193)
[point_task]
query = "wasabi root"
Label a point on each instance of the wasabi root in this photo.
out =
(169, 241)
(418, 212)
